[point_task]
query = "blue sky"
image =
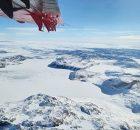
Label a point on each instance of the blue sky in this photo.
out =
(90, 20)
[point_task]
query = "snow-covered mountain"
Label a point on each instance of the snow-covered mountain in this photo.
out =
(89, 88)
(60, 113)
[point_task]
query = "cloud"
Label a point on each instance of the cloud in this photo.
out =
(29, 30)
(78, 28)
(22, 29)
(131, 37)
(2, 34)
(26, 34)
(59, 29)
(72, 35)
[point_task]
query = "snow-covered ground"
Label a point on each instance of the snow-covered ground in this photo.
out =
(84, 88)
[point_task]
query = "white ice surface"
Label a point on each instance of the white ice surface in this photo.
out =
(34, 76)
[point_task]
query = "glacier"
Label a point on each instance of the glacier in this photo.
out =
(47, 88)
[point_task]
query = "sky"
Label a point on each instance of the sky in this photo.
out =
(113, 22)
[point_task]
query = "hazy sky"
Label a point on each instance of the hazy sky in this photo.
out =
(95, 21)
